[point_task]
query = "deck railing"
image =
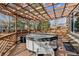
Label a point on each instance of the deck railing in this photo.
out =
(9, 41)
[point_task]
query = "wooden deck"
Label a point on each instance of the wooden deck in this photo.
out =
(21, 50)
(9, 47)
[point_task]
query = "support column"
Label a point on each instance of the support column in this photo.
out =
(16, 24)
(16, 28)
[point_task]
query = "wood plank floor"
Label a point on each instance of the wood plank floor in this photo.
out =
(20, 50)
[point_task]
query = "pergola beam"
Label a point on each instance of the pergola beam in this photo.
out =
(54, 11)
(20, 11)
(7, 6)
(37, 11)
(26, 9)
(51, 5)
(4, 7)
(63, 9)
(5, 12)
(45, 11)
(73, 9)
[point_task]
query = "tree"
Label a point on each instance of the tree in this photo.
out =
(20, 24)
(77, 24)
(43, 25)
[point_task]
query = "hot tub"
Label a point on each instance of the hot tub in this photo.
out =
(40, 43)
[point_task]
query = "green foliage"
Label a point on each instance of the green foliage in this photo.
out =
(36, 25)
(32, 25)
(20, 24)
(77, 23)
(39, 26)
(44, 25)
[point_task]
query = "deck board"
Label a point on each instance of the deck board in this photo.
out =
(20, 50)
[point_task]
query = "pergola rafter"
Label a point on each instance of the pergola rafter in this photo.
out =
(45, 11)
(73, 9)
(22, 12)
(27, 10)
(41, 12)
(54, 10)
(4, 7)
(37, 11)
(63, 9)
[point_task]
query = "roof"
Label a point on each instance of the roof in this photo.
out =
(38, 11)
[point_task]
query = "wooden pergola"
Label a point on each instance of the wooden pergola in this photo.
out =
(38, 11)
(30, 11)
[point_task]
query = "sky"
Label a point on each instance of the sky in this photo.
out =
(50, 8)
(55, 6)
(57, 22)
(4, 17)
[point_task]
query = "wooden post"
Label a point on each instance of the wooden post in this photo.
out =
(16, 24)
(16, 28)
(8, 27)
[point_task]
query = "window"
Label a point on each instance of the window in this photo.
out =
(6, 23)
